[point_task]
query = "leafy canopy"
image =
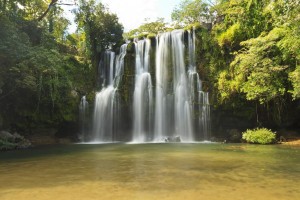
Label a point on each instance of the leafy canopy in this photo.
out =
(191, 11)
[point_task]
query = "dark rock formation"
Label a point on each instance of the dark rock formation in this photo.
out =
(10, 141)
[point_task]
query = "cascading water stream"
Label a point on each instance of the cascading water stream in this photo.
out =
(104, 115)
(119, 69)
(83, 118)
(172, 106)
(197, 95)
(142, 98)
(173, 111)
(106, 102)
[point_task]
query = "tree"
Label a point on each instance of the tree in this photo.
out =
(239, 21)
(258, 69)
(147, 28)
(261, 40)
(40, 73)
(191, 11)
(51, 4)
(102, 29)
(27, 9)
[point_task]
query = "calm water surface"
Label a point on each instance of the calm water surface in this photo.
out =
(151, 171)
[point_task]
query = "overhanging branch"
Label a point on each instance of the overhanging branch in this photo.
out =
(48, 9)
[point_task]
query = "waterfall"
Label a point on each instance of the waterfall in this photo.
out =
(204, 115)
(106, 101)
(173, 111)
(106, 68)
(104, 114)
(83, 118)
(142, 98)
(119, 69)
(158, 100)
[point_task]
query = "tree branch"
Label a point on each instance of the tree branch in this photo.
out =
(48, 9)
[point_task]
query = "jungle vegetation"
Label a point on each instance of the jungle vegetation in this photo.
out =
(248, 55)
(44, 70)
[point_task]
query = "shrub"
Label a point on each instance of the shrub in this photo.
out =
(130, 48)
(259, 136)
(151, 35)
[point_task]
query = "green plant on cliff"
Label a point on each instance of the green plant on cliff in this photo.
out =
(259, 136)
(147, 29)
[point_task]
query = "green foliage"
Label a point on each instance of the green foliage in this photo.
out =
(130, 48)
(240, 20)
(224, 85)
(259, 136)
(102, 29)
(153, 27)
(294, 77)
(59, 25)
(195, 26)
(147, 29)
(39, 74)
(27, 9)
(191, 11)
(258, 69)
(231, 36)
(151, 36)
(43, 70)
(251, 57)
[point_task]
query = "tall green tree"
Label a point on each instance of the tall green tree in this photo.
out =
(41, 71)
(261, 38)
(191, 11)
(102, 29)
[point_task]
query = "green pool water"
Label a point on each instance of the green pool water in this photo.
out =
(151, 171)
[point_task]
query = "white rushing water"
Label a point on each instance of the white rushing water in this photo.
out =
(197, 95)
(173, 106)
(173, 112)
(142, 98)
(83, 118)
(106, 102)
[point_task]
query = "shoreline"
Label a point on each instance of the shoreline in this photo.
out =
(294, 142)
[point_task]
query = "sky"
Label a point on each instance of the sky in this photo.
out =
(132, 13)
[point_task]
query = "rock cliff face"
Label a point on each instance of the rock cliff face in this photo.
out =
(125, 91)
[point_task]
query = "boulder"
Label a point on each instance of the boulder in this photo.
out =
(172, 139)
(13, 141)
